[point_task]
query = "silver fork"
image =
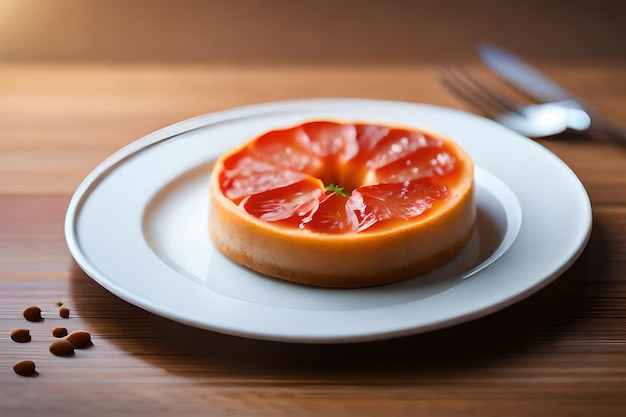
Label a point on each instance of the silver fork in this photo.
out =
(532, 120)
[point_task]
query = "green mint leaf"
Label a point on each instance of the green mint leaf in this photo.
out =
(337, 190)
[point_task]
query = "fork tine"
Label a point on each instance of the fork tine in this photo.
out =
(462, 91)
(474, 92)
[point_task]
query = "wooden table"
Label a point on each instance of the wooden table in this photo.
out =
(561, 352)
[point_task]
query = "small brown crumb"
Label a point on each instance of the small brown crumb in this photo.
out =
(32, 313)
(21, 335)
(25, 368)
(59, 303)
(59, 332)
(64, 312)
(80, 339)
(62, 348)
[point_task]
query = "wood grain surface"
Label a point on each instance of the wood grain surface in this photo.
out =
(561, 352)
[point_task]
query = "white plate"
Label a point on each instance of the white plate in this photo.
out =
(138, 226)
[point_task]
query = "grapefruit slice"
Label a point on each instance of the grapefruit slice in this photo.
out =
(342, 204)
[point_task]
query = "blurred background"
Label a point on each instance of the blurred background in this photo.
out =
(303, 32)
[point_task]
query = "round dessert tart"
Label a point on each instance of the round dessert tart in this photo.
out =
(347, 205)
